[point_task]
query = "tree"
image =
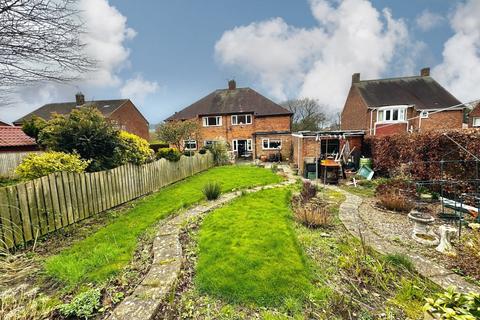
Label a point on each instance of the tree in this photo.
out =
(33, 126)
(84, 131)
(306, 114)
(176, 132)
(40, 41)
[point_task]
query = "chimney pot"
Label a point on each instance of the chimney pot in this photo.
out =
(425, 72)
(80, 99)
(232, 85)
(356, 78)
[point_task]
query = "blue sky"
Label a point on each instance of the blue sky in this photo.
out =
(181, 50)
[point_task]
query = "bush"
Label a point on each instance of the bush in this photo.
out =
(314, 214)
(171, 154)
(454, 305)
(395, 202)
(398, 186)
(212, 190)
(308, 191)
(219, 150)
(37, 165)
(83, 305)
(135, 149)
(189, 153)
(202, 151)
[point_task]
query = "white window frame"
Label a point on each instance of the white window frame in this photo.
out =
(402, 110)
(234, 119)
(185, 142)
(268, 143)
(424, 114)
(476, 122)
(235, 144)
(207, 142)
(205, 121)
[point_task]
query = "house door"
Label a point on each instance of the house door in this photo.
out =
(242, 148)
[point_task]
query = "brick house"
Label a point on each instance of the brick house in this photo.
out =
(474, 117)
(253, 125)
(13, 139)
(122, 112)
(309, 147)
(3, 123)
(407, 104)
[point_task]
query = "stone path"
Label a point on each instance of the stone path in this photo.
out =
(349, 215)
(167, 261)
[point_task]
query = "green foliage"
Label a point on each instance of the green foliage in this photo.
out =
(105, 252)
(219, 150)
(86, 132)
(83, 305)
(135, 149)
(176, 132)
(248, 252)
(37, 165)
(212, 190)
(399, 260)
(171, 154)
(454, 305)
(33, 126)
(202, 150)
(189, 153)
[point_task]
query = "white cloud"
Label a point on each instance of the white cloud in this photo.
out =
(138, 88)
(351, 36)
(428, 20)
(460, 68)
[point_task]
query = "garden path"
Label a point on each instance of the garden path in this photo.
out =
(352, 219)
(167, 261)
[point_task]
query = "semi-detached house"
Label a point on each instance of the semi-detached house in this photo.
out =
(251, 124)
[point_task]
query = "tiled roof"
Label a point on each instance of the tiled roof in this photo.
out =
(14, 136)
(422, 92)
(229, 101)
(106, 107)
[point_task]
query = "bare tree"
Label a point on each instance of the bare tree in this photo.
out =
(40, 41)
(177, 132)
(307, 114)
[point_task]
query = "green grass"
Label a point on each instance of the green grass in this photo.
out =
(248, 252)
(102, 254)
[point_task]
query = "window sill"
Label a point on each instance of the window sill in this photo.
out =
(391, 122)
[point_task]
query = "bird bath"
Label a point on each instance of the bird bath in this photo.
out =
(421, 232)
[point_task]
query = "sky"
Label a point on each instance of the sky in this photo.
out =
(165, 55)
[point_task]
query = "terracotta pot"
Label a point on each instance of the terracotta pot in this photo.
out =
(263, 158)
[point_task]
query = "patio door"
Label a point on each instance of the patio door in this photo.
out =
(243, 147)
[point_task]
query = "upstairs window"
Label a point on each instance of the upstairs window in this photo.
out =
(424, 114)
(271, 144)
(190, 144)
(476, 122)
(241, 119)
(214, 121)
(392, 114)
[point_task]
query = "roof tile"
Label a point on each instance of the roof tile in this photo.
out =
(14, 136)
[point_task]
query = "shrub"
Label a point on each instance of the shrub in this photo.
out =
(83, 305)
(398, 186)
(467, 260)
(38, 165)
(308, 191)
(189, 153)
(399, 260)
(135, 149)
(219, 150)
(395, 202)
(202, 150)
(212, 190)
(313, 215)
(454, 305)
(171, 154)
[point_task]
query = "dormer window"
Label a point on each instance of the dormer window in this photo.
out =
(392, 114)
(215, 121)
(239, 119)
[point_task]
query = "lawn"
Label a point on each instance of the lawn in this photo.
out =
(105, 252)
(248, 252)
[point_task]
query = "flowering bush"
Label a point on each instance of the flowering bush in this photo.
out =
(38, 165)
(135, 149)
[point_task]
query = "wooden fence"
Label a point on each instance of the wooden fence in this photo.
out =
(37, 207)
(9, 161)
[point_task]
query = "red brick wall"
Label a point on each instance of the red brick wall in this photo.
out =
(452, 119)
(390, 128)
(355, 115)
(286, 150)
(131, 120)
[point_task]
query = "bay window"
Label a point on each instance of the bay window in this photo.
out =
(392, 114)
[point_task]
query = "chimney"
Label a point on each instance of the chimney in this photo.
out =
(425, 72)
(232, 85)
(356, 78)
(80, 99)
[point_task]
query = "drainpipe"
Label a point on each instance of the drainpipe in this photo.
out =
(371, 122)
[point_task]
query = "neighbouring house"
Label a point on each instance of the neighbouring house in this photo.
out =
(253, 125)
(310, 147)
(474, 117)
(122, 112)
(3, 123)
(407, 104)
(13, 139)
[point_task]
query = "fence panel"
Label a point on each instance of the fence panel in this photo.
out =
(10, 160)
(46, 204)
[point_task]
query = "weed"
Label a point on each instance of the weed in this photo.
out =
(84, 305)
(313, 214)
(399, 260)
(212, 190)
(395, 202)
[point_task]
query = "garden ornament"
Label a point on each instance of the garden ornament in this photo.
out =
(446, 234)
